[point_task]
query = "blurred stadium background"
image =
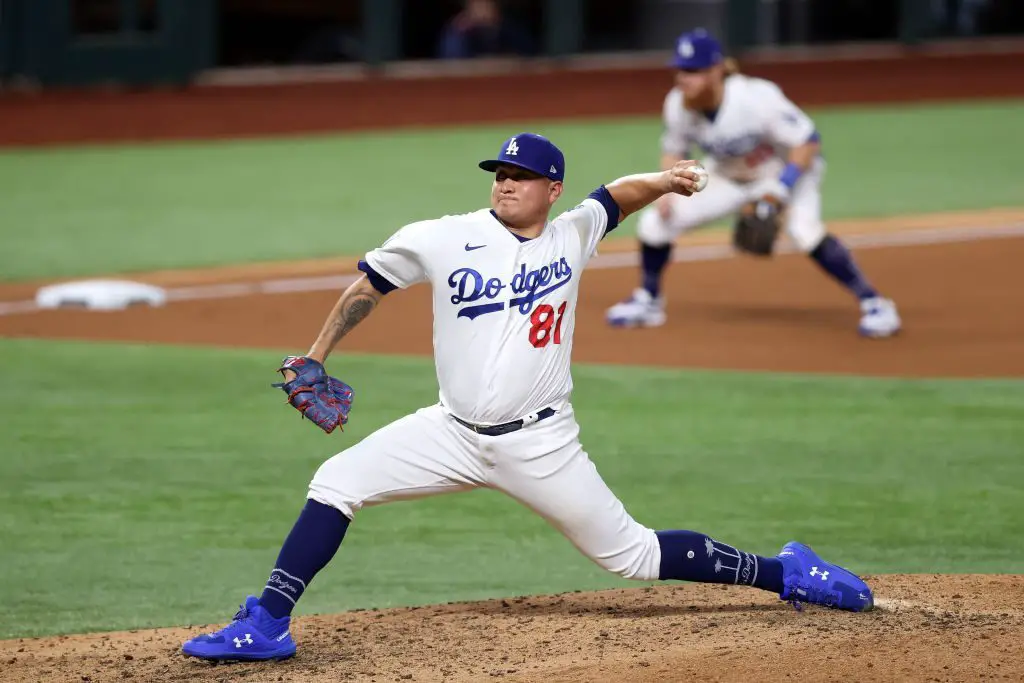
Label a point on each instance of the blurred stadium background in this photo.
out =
(143, 41)
(243, 153)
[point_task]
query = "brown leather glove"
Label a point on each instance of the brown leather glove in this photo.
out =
(757, 227)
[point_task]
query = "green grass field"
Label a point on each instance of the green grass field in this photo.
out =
(97, 210)
(163, 497)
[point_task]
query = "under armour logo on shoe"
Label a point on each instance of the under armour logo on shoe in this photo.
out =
(247, 640)
(823, 575)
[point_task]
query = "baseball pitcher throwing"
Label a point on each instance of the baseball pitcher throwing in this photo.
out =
(763, 155)
(505, 282)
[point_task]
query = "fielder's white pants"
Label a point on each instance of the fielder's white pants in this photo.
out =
(722, 197)
(543, 466)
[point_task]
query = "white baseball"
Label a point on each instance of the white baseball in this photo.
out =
(702, 176)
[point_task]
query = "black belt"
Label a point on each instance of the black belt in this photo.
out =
(513, 426)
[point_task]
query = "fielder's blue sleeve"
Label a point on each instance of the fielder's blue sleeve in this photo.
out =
(379, 282)
(605, 199)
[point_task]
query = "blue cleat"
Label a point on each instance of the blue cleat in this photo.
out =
(809, 579)
(253, 635)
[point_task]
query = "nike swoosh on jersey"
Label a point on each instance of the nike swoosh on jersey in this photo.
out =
(479, 246)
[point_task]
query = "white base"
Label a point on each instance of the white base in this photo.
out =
(100, 295)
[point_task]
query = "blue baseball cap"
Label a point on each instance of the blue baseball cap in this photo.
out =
(530, 151)
(696, 49)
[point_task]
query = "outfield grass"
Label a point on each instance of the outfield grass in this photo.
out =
(163, 497)
(95, 210)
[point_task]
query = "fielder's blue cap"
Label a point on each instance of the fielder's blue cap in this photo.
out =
(696, 49)
(530, 151)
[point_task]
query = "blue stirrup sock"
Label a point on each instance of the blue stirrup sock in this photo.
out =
(685, 556)
(310, 545)
(836, 260)
(653, 261)
(692, 556)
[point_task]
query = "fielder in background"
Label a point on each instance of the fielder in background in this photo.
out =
(763, 155)
(505, 282)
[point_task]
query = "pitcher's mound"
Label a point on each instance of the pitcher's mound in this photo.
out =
(925, 628)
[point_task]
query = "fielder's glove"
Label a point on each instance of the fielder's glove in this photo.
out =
(756, 227)
(318, 396)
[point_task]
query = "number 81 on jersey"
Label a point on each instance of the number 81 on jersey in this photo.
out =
(543, 319)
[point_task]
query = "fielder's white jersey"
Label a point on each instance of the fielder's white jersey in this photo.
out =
(504, 309)
(748, 138)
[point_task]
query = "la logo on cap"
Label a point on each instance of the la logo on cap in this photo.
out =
(686, 49)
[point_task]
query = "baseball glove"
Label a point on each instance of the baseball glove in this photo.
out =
(756, 227)
(318, 396)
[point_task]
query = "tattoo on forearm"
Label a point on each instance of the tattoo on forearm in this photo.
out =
(352, 310)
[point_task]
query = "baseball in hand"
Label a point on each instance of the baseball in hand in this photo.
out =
(702, 176)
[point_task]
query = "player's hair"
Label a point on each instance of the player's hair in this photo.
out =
(731, 66)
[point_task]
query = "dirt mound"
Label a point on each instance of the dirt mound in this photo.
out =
(926, 627)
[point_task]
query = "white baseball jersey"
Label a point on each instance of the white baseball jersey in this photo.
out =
(748, 139)
(504, 309)
(750, 135)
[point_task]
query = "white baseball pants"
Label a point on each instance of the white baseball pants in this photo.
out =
(543, 466)
(723, 197)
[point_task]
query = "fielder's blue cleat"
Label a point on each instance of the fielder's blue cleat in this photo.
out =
(809, 579)
(254, 634)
